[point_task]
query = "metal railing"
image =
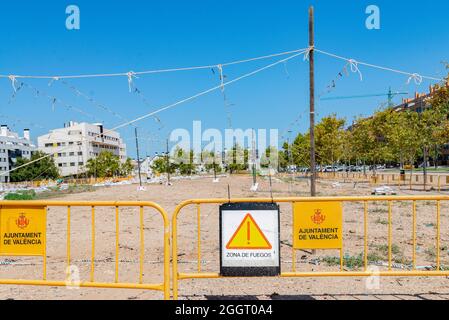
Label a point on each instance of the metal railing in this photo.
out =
(199, 273)
(177, 276)
(164, 286)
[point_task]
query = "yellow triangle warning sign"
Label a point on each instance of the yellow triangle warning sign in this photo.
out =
(248, 236)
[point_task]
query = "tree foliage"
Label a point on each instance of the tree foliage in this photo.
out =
(184, 161)
(270, 158)
(107, 165)
(44, 169)
(237, 159)
(211, 161)
(329, 135)
(126, 168)
(389, 136)
(160, 166)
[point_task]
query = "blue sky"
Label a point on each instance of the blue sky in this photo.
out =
(119, 36)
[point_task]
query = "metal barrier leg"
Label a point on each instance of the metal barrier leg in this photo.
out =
(175, 258)
(166, 257)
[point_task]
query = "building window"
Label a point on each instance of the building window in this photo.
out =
(72, 164)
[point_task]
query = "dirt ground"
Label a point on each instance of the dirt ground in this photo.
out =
(247, 288)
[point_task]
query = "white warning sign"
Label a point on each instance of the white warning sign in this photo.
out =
(250, 239)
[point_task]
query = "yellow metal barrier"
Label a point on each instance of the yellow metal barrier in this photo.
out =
(177, 276)
(164, 286)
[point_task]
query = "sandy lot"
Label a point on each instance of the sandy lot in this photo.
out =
(249, 288)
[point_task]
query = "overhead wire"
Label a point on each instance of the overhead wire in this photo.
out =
(354, 65)
(170, 106)
(131, 74)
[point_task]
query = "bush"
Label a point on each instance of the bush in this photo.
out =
(21, 195)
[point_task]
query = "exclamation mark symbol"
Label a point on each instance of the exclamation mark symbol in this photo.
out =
(248, 233)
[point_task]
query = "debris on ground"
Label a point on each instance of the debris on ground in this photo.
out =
(383, 191)
(336, 185)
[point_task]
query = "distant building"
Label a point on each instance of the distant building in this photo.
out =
(13, 147)
(76, 143)
(145, 166)
(417, 104)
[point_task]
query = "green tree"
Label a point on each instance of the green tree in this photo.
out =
(44, 169)
(397, 133)
(184, 161)
(329, 134)
(440, 96)
(403, 134)
(211, 160)
(298, 153)
(160, 166)
(237, 159)
(270, 158)
(362, 139)
(282, 160)
(106, 165)
(380, 151)
(126, 168)
(440, 131)
(346, 145)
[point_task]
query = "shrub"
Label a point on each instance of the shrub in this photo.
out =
(21, 195)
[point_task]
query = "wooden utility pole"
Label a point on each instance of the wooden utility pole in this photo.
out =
(312, 103)
(215, 169)
(168, 165)
(425, 168)
(253, 158)
(138, 157)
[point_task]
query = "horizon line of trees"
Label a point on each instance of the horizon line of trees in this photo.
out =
(387, 137)
(105, 165)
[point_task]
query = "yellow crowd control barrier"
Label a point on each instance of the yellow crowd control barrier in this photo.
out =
(413, 271)
(17, 215)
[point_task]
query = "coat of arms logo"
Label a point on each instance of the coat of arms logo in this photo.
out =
(318, 217)
(22, 222)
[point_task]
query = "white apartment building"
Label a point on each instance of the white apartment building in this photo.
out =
(76, 143)
(12, 147)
